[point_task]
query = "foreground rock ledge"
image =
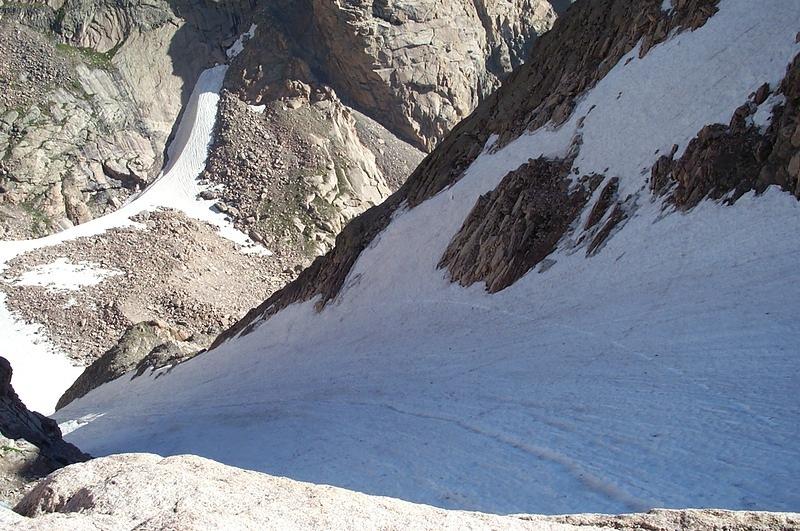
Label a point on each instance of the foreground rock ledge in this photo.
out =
(143, 492)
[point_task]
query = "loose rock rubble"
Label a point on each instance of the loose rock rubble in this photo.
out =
(292, 173)
(174, 269)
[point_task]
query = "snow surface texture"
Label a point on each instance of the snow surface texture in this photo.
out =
(177, 188)
(661, 372)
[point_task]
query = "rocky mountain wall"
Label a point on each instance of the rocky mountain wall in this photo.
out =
(583, 46)
(417, 67)
(96, 89)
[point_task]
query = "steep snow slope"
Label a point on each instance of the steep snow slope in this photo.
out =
(661, 372)
(41, 373)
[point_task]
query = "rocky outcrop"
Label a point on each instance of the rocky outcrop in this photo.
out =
(515, 226)
(144, 492)
(148, 345)
(30, 444)
(295, 170)
(584, 45)
(727, 161)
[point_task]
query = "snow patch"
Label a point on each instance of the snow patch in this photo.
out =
(763, 115)
(41, 372)
(62, 275)
(238, 46)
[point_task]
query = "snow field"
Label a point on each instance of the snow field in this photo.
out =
(661, 372)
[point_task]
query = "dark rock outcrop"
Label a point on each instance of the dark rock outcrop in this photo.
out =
(148, 345)
(727, 161)
(30, 443)
(515, 226)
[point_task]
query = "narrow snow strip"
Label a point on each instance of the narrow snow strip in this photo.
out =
(763, 116)
(62, 275)
(175, 188)
(41, 372)
(238, 46)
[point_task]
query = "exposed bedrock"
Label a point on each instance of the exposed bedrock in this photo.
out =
(147, 492)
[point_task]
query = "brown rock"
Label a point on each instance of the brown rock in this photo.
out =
(514, 227)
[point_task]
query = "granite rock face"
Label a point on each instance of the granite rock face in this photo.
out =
(144, 492)
(515, 226)
(95, 89)
(423, 66)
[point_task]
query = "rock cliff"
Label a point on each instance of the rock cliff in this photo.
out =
(95, 88)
